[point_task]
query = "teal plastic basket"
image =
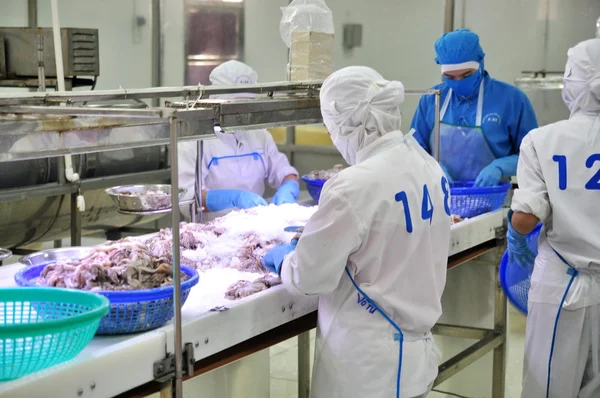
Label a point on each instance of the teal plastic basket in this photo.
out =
(43, 327)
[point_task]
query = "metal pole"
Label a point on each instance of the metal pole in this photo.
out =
(500, 326)
(436, 127)
(75, 222)
(176, 267)
(156, 48)
(200, 158)
(304, 365)
(32, 13)
(290, 140)
(449, 16)
(41, 70)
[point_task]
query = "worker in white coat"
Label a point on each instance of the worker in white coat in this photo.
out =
(376, 249)
(236, 166)
(234, 170)
(559, 184)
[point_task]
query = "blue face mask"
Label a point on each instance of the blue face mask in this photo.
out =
(466, 87)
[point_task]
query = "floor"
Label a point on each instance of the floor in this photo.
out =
(284, 369)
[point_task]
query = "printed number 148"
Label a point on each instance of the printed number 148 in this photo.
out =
(426, 204)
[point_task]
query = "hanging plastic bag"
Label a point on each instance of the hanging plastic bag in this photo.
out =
(306, 28)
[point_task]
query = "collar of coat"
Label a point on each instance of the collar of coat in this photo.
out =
(387, 141)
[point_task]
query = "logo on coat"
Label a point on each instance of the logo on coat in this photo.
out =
(492, 118)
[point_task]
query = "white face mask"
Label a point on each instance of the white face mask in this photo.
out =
(572, 88)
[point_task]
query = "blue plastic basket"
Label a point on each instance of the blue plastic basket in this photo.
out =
(467, 201)
(314, 187)
(514, 278)
(130, 311)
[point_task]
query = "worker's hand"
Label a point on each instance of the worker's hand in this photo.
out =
(287, 193)
(518, 250)
(488, 177)
(274, 258)
(448, 176)
(223, 199)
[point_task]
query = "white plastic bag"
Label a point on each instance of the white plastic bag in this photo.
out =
(306, 28)
(305, 16)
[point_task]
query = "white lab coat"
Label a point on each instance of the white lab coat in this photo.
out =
(571, 227)
(360, 224)
(247, 173)
(248, 377)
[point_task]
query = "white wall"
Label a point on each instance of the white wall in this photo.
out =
(125, 50)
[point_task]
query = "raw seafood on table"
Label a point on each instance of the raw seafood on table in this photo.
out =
(237, 241)
(325, 174)
(126, 264)
(454, 219)
(152, 199)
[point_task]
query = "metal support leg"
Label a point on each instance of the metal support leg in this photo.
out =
(75, 222)
(304, 365)
(500, 326)
(290, 140)
(57, 243)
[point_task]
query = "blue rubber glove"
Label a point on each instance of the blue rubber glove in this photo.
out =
(448, 176)
(490, 176)
(518, 250)
(287, 193)
(223, 199)
(274, 258)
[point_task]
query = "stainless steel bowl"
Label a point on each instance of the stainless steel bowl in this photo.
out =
(54, 255)
(134, 198)
(5, 254)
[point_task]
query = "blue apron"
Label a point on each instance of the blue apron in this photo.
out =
(398, 336)
(595, 335)
(464, 150)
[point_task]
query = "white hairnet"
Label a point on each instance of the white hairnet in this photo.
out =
(581, 89)
(358, 107)
(232, 73)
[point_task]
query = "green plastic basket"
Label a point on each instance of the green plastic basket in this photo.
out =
(42, 327)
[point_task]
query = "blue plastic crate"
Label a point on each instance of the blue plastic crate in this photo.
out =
(130, 311)
(314, 187)
(515, 279)
(467, 201)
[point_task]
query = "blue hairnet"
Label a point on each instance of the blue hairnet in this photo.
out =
(457, 47)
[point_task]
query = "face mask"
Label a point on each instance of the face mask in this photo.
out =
(466, 87)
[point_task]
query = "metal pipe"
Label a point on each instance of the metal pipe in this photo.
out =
(58, 53)
(41, 70)
(501, 321)
(436, 127)
(200, 187)
(460, 361)
(449, 16)
(157, 92)
(304, 365)
(156, 67)
(290, 139)
(598, 28)
(32, 13)
(176, 267)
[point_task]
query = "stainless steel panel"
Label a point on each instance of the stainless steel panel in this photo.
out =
(80, 51)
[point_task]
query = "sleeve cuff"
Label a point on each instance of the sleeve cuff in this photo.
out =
(286, 273)
(530, 203)
(286, 171)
